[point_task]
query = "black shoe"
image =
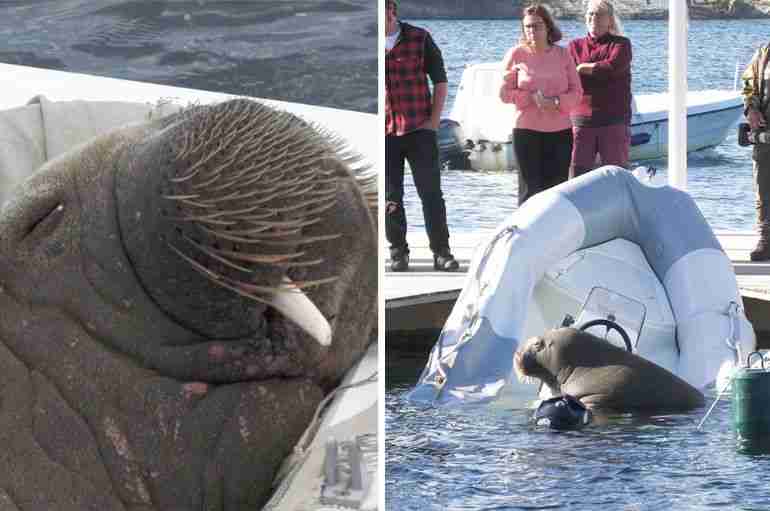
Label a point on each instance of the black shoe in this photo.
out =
(761, 252)
(399, 262)
(445, 262)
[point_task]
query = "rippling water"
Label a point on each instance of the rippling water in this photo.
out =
(490, 457)
(290, 50)
(719, 178)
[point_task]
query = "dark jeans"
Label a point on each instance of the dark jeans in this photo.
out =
(420, 149)
(543, 159)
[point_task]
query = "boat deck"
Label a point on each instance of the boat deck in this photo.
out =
(420, 300)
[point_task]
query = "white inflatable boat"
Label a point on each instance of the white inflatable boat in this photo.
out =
(625, 243)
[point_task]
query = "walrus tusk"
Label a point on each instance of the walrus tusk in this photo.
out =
(297, 307)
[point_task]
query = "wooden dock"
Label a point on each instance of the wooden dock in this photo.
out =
(420, 300)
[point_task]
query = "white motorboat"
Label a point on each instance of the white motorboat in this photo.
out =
(477, 133)
(44, 112)
(602, 246)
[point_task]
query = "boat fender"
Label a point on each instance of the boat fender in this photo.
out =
(751, 412)
(562, 412)
(640, 139)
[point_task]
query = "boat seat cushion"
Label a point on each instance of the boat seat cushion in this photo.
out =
(39, 131)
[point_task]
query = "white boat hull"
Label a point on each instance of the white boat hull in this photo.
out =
(484, 124)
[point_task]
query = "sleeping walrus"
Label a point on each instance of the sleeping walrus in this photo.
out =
(176, 298)
(602, 376)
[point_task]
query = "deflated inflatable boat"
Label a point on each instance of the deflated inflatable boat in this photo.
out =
(604, 229)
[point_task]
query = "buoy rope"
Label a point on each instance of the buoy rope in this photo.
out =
(734, 344)
(719, 396)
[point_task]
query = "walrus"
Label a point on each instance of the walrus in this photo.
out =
(177, 298)
(602, 376)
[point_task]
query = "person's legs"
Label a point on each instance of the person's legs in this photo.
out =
(528, 148)
(557, 158)
(584, 148)
(395, 217)
(614, 143)
(762, 190)
(422, 154)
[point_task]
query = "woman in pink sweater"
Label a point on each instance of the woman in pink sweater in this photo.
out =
(541, 80)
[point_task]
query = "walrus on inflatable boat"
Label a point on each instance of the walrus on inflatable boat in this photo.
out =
(678, 268)
(177, 297)
(601, 375)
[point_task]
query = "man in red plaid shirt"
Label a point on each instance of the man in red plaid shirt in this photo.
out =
(412, 117)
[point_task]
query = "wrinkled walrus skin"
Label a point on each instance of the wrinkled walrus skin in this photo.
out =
(141, 364)
(601, 375)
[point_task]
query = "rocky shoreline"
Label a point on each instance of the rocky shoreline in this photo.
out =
(628, 9)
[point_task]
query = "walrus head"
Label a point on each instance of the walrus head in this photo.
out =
(531, 361)
(600, 374)
(177, 296)
(235, 222)
(553, 356)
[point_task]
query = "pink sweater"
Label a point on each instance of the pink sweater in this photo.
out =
(553, 73)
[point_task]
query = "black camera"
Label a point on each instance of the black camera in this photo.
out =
(747, 136)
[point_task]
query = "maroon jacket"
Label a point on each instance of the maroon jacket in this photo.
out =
(407, 95)
(606, 96)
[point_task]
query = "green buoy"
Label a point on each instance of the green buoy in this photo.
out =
(751, 407)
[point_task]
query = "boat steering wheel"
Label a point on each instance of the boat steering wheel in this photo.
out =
(609, 325)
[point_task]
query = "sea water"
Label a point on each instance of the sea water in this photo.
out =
(291, 50)
(491, 457)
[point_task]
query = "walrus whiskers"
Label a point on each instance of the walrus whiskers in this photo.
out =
(246, 192)
(519, 370)
(256, 178)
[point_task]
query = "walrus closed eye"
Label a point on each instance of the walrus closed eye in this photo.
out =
(600, 375)
(177, 297)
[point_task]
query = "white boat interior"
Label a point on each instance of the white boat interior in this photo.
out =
(639, 259)
(488, 122)
(44, 112)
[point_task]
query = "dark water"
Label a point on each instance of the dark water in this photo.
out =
(489, 457)
(320, 52)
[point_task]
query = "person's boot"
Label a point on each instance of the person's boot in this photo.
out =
(399, 260)
(444, 261)
(762, 251)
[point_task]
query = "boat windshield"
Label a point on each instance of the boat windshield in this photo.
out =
(605, 304)
(487, 83)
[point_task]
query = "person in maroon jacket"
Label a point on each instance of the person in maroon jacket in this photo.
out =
(412, 117)
(602, 117)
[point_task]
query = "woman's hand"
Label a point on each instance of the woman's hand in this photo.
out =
(586, 68)
(511, 79)
(549, 105)
(510, 84)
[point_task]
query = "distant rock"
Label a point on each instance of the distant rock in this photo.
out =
(628, 9)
